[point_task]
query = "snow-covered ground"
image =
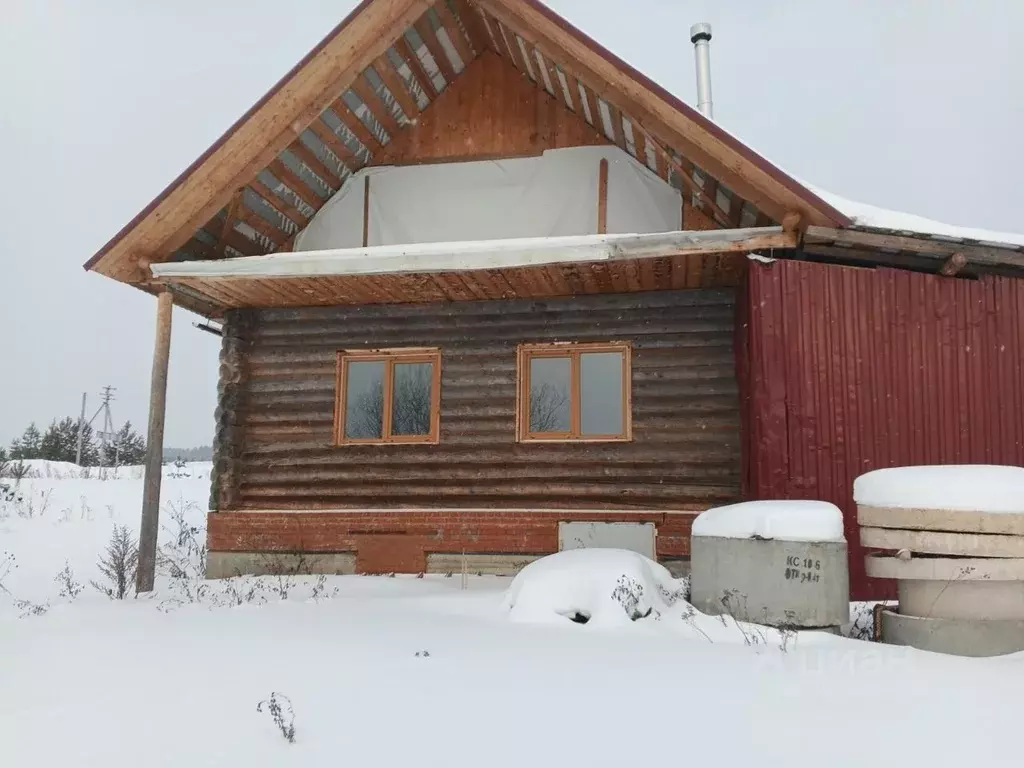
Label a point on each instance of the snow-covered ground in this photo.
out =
(436, 672)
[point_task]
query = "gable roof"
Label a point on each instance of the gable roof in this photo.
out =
(386, 62)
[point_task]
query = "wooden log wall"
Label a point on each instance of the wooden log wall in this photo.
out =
(228, 436)
(275, 450)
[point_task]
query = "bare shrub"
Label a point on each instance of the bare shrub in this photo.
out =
(280, 708)
(17, 470)
(630, 593)
(65, 579)
(183, 555)
(119, 564)
(9, 563)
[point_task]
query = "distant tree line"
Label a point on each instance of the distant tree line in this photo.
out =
(199, 453)
(59, 442)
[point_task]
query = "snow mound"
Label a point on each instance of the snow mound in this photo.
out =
(974, 487)
(786, 520)
(609, 587)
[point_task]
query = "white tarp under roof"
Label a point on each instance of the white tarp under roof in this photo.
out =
(554, 194)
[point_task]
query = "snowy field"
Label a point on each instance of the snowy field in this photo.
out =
(435, 671)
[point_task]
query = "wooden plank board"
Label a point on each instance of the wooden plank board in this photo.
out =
(919, 245)
(602, 197)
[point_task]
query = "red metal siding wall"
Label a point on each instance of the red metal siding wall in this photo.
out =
(847, 370)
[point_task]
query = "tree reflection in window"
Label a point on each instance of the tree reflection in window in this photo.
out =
(411, 398)
(575, 391)
(386, 397)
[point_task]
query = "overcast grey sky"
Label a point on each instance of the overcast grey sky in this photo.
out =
(911, 105)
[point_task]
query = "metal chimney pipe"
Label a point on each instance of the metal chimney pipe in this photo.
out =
(700, 36)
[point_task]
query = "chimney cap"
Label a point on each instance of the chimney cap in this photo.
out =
(701, 31)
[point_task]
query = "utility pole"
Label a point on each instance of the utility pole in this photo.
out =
(107, 395)
(81, 429)
(107, 434)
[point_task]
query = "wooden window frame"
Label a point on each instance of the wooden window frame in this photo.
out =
(391, 358)
(572, 350)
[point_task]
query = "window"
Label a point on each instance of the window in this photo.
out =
(574, 392)
(388, 396)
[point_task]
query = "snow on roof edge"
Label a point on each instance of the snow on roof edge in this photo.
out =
(867, 215)
(454, 256)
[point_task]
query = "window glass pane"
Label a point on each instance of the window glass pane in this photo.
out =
(411, 398)
(601, 393)
(364, 400)
(550, 406)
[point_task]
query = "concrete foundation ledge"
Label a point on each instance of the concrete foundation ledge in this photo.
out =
(223, 565)
(487, 564)
(960, 637)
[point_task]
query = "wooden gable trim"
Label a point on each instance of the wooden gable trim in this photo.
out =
(260, 134)
(674, 122)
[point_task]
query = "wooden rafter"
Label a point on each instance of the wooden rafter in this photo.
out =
(618, 133)
(425, 30)
(339, 148)
(511, 45)
(639, 144)
(399, 90)
(453, 29)
(473, 25)
(573, 87)
(281, 206)
(294, 183)
(229, 220)
(354, 124)
(953, 265)
(419, 72)
(259, 224)
(373, 101)
(314, 164)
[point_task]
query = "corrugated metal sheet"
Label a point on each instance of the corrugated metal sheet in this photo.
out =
(686, 447)
(849, 370)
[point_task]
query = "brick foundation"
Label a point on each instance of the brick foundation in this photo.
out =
(399, 541)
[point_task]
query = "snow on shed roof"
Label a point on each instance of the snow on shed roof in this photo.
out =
(871, 217)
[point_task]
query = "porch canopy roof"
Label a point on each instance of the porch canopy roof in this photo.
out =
(539, 267)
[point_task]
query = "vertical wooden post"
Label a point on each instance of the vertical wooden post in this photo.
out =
(602, 198)
(366, 211)
(146, 573)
